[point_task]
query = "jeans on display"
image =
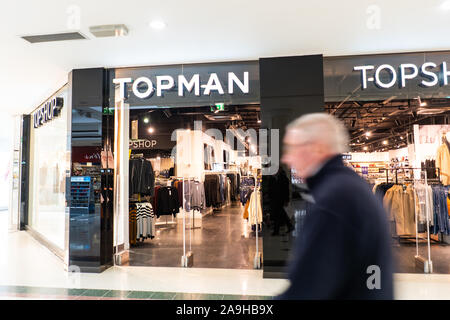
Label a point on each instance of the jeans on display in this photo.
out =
(441, 222)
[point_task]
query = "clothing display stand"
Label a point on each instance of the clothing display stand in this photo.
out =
(193, 221)
(166, 223)
(257, 261)
(187, 260)
(423, 263)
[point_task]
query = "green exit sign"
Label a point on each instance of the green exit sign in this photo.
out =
(107, 110)
(218, 107)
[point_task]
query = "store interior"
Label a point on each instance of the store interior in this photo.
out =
(186, 151)
(401, 147)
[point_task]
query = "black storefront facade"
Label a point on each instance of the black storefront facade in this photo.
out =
(284, 87)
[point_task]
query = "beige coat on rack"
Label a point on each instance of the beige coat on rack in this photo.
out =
(443, 161)
(401, 204)
(254, 207)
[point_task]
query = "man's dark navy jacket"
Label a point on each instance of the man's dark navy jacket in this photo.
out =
(344, 240)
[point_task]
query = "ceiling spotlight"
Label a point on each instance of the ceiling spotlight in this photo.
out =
(385, 142)
(151, 130)
(421, 103)
(157, 24)
(368, 134)
(365, 148)
(401, 137)
(146, 120)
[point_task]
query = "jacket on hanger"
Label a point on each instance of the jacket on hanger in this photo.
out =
(254, 208)
(194, 195)
(401, 204)
(141, 177)
(167, 201)
(443, 163)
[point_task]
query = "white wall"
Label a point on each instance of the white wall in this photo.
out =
(369, 156)
(6, 148)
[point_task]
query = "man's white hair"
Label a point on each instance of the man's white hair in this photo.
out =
(323, 128)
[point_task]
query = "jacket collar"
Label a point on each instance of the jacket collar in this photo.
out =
(329, 166)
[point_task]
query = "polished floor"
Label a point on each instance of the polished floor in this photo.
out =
(222, 241)
(404, 257)
(30, 271)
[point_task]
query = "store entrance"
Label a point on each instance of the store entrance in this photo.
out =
(400, 147)
(201, 153)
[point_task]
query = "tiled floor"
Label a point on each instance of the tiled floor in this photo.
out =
(23, 292)
(30, 271)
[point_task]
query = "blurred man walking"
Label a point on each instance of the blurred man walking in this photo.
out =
(344, 251)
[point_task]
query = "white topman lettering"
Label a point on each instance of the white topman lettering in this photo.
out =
(166, 83)
(406, 72)
(193, 84)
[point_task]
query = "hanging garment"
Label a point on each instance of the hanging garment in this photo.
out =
(425, 197)
(246, 186)
(401, 202)
(145, 220)
(441, 222)
(212, 190)
(254, 208)
(245, 216)
(381, 189)
(132, 225)
(141, 177)
(443, 163)
(167, 202)
(430, 167)
(448, 206)
(194, 195)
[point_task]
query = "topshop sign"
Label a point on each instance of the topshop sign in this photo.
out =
(47, 112)
(429, 73)
(143, 87)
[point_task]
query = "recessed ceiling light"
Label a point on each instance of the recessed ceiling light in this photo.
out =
(146, 120)
(157, 24)
(151, 130)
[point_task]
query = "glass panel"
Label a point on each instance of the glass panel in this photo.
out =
(48, 165)
(398, 122)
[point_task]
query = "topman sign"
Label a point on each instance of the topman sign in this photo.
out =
(48, 111)
(143, 87)
(429, 74)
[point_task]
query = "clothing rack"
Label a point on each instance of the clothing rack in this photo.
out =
(410, 168)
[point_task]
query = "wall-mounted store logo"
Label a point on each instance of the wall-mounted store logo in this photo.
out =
(142, 144)
(144, 88)
(48, 111)
(429, 72)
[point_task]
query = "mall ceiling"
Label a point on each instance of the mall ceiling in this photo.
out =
(388, 124)
(201, 31)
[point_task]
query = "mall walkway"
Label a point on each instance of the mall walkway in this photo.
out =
(29, 271)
